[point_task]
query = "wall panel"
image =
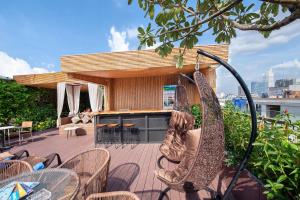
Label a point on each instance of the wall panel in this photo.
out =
(146, 92)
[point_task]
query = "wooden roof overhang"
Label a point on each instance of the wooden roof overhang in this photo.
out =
(50, 80)
(100, 67)
(143, 60)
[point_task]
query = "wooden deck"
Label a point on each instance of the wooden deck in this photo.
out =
(132, 169)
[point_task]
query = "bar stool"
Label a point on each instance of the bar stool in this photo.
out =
(128, 129)
(100, 135)
(112, 132)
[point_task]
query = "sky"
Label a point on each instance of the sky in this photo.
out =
(34, 34)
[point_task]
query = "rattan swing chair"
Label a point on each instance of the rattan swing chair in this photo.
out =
(204, 147)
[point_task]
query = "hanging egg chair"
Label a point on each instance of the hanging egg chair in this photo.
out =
(205, 147)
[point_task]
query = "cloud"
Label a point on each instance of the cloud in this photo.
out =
(252, 41)
(289, 64)
(289, 69)
(120, 40)
(10, 66)
(117, 40)
(132, 32)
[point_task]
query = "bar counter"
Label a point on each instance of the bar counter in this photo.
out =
(150, 125)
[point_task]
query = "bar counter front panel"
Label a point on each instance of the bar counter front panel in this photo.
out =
(151, 126)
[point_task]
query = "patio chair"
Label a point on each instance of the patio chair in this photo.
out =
(118, 195)
(10, 168)
(33, 160)
(204, 155)
(92, 168)
(26, 127)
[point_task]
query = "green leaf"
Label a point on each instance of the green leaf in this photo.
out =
(151, 11)
(179, 61)
(281, 178)
(141, 30)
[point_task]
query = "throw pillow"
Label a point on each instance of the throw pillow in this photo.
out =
(86, 119)
(75, 119)
(38, 166)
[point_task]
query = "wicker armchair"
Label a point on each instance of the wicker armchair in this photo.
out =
(10, 168)
(92, 168)
(119, 195)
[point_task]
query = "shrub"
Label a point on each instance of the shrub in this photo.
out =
(275, 159)
(196, 112)
(20, 103)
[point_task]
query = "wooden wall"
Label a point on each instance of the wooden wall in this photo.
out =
(147, 92)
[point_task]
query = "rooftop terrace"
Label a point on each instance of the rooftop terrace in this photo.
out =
(132, 169)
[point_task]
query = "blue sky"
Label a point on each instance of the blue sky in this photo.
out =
(34, 34)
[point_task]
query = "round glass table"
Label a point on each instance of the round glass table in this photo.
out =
(60, 184)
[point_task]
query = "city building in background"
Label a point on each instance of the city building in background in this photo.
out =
(269, 78)
(259, 88)
(270, 107)
(241, 92)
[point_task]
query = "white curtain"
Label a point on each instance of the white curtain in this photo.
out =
(61, 87)
(96, 96)
(73, 97)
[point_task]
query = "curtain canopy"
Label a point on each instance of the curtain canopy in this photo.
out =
(96, 96)
(61, 87)
(96, 93)
(73, 96)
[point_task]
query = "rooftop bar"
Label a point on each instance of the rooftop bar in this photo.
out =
(137, 89)
(149, 125)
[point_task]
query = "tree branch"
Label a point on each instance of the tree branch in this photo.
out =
(216, 14)
(286, 2)
(276, 25)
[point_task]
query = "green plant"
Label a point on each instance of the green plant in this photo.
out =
(43, 125)
(275, 159)
(184, 22)
(196, 112)
(20, 103)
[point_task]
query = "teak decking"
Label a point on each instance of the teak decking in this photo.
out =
(133, 169)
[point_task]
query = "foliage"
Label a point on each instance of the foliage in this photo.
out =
(46, 124)
(19, 103)
(196, 112)
(185, 21)
(275, 159)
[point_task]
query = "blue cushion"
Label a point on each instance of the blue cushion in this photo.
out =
(38, 166)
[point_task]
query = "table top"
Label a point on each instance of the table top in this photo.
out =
(71, 128)
(130, 112)
(61, 183)
(6, 127)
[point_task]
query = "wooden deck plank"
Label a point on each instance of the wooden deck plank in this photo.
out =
(133, 169)
(140, 186)
(148, 190)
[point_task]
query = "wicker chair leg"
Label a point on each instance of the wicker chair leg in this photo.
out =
(163, 193)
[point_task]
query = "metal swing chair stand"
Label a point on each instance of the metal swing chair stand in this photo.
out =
(188, 187)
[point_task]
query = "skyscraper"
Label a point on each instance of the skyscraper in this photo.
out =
(269, 78)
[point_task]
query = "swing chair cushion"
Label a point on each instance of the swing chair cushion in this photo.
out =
(173, 146)
(192, 141)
